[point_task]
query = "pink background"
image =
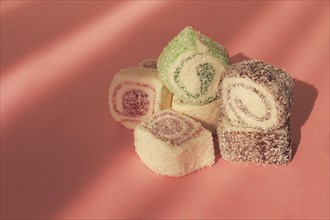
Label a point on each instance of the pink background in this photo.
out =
(62, 154)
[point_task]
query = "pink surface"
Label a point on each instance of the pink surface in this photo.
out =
(63, 156)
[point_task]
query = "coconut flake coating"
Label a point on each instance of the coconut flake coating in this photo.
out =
(253, 146)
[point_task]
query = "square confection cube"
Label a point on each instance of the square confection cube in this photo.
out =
(172, 144)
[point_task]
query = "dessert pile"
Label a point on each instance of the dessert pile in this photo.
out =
(177, 102)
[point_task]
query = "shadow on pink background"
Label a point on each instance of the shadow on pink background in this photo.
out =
(63, 156)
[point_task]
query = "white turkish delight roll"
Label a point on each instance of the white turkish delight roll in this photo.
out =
(207, 114)
(172, 144)
(136, 94)
(255, 94)
(249, 145)
(191, 65)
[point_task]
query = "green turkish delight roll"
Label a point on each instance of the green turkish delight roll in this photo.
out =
(191, 65)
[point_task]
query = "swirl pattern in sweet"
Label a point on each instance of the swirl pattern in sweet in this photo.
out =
(135, 94)
(135, 102)
(256, 94)
(132, 100)
(191, 65)
(172, 128)
(195, 76)
(248, 104)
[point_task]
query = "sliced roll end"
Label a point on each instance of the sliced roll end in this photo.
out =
(135, 94)
(191, 65)
(256, 94)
